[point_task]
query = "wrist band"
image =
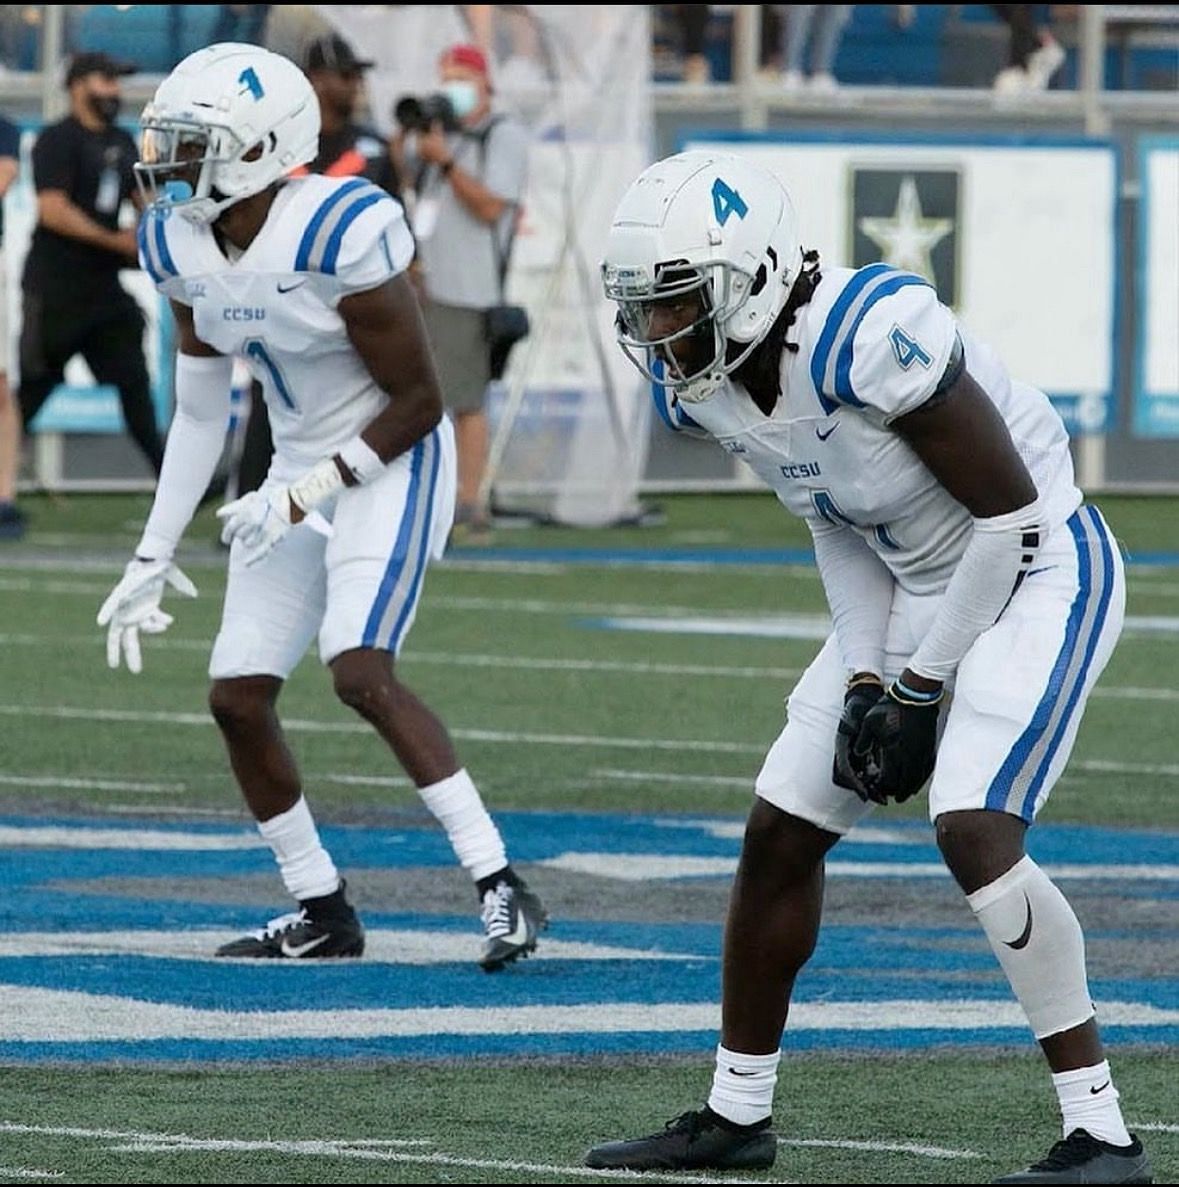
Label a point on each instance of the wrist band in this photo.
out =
(903, 692)
(362, 460)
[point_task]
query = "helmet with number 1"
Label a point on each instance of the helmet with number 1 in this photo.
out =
(229, 121)
(717, 234)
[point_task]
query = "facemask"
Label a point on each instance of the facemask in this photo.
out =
(106, 107)
(463, 96)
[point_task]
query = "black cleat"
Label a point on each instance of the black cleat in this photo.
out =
(323, 927)
(695, 1140)
(513, 917)
(1082, 1158)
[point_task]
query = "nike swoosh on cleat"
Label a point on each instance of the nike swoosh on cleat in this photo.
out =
(1095, 1091)
(519, 934)
(291, 287)
(823, 436)
(296, 950)
(1021, 941)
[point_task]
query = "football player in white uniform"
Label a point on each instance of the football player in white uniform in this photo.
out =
(975, 600)
(304, 279)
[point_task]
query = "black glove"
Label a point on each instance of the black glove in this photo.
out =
(896, 748)
(863, 691)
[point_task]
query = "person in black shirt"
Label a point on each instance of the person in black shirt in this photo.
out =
(346, 149)
(73, 301)
(12, 519)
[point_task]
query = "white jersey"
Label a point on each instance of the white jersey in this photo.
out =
(873, 345)
(275, 306)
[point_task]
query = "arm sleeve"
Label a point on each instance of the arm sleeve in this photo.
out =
(193, 449)
(1000, 552)
(890, 347)
(859, 591)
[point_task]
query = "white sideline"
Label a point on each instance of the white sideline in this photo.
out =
(35, 1015)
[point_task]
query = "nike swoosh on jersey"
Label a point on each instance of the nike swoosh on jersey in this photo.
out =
(823, 436)
(296, 950)
(291, 287)
(1021, 941)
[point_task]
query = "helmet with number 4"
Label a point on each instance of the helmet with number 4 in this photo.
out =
(230, 120)
(717, 234)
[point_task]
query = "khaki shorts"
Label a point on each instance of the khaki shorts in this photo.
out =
(461, 354)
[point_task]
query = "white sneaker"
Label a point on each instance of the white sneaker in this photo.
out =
(823, 83)
(1043, 65)
(792, 81)
(1014, 80)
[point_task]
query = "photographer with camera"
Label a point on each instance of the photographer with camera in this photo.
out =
(467, 167)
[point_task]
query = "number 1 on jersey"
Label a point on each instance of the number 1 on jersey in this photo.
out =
(256, 349)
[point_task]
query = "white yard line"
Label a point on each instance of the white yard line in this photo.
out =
(130, 1142)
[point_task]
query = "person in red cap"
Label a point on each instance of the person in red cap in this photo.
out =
(468, 172)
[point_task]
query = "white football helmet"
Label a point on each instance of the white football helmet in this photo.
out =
(708, 227)
(230, 120)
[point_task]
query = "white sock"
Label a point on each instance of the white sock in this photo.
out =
(743, 1086)
(307, 869)
(476, 841)
(1089, 1100)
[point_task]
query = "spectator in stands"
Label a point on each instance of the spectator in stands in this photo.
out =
(12, 520)
(692, 20)
(73, 301)
(468, 179)
(817, 28)
(1035, 55)
(241, 22)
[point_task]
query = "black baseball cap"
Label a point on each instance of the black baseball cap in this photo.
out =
(333, 53)
(97, 63)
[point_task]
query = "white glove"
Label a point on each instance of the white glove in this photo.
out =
(134, 606)
(260, 519)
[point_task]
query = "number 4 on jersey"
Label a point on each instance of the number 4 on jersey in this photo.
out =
(908, 350)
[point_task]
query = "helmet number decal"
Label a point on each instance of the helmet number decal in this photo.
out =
(726, 201)
(249, 81)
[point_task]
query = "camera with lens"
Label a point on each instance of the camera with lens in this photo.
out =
(418, 113)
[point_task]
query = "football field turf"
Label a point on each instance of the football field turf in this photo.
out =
(613, 693)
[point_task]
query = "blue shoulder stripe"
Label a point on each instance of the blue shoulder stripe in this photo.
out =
(331, 252)
(852, 289)
(316, 234)
(167, 264)
(832, 358)
(145, 249)
(843, 364)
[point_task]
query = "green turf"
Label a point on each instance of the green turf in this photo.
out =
(503, 1123)
(546, 711)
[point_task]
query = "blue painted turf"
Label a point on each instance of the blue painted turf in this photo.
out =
(852, 964)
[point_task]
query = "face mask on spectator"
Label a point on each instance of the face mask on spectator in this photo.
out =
(463, 96)
(106, 107)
